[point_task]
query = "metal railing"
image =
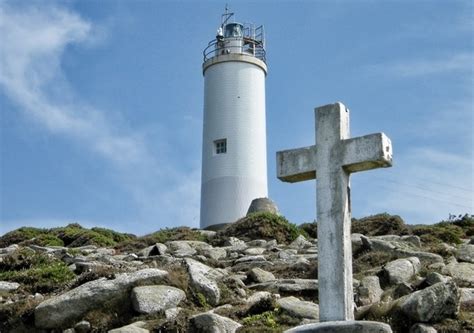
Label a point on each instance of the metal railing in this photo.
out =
(249, 46)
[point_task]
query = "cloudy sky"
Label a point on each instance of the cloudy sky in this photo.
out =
(101, 105)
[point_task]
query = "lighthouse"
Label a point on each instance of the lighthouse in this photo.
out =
(234, 162)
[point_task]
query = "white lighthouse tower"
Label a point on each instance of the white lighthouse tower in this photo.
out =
(234, 162)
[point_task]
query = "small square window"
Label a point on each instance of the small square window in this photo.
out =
(220, 146)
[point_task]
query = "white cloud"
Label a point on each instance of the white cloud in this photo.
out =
(33, 42)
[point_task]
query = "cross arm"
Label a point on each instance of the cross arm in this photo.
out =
(367, 152)
(296, 165)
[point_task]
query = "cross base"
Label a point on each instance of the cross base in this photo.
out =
(354, 326)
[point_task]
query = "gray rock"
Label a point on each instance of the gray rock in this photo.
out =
(257, 243)
(258, 297)
(204, 279)
(401, 270)
(181, 249)
(156, 299)
(212, 323)
(262, 205)
(465, 253)
(462, 273)
(154, 250)
(369, 290)
(432, 304)
(300, 243)
(356, 242)
(136, 327)
(434, 277)
(171, 314)
(298, 308)
(259, 275)
(215, 253)
(402, 289)
(288, 285)
(412, 239)
(6, 287)
(421, 328)
(467, 296)
(9, 249)
(250, 258)
(82, 327)
(67, 308)
(252, 251)
(343, 327)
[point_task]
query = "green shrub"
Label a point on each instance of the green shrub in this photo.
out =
(20, 235)
(441, 232)
(261, 225)
(309, 229)
(380, 224)
(268, 319)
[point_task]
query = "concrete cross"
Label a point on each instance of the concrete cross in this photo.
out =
(334, 157)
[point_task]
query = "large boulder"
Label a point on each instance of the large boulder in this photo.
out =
(65, 309)
(432, 304)
(6, 286)
(259, 275)
(369, 290)
(204, 280)
(212, 323)
(156, 299)
(136, 327)
(462, 273)
(465, 253)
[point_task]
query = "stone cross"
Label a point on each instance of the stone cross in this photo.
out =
(331, 161)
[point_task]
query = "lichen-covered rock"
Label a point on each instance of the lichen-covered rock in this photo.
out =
(465, 253)
(300, 243)
(401, 270)
(369, 290)
(212, 323)
(467, 296)
(136, 327)
(156, 299)
(462, 273)
(433, 303)
(298, 308)
(6, 286)
(204, 280)
(65, 309)
(422, 328)
(259, 275)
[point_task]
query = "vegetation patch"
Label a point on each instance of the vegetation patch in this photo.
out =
(261, 225)
(380, 224)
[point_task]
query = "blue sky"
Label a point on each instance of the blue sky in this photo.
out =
(101, 105)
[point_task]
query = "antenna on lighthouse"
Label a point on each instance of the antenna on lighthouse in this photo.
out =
(226, 16)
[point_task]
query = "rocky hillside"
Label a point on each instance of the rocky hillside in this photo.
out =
(258, 275)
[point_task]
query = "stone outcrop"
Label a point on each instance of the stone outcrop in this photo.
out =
(213, 323)
(153, 299)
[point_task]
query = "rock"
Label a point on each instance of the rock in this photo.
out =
(465, 253)
(288, 285)
(212, 323)
(467, 296)
(402, 289)
(257, 243)
(250, 258)
(259, 275)
(262, 205)
(432, 304)
(67, 308)
(401, 270)
(82, 327)
(301, 309)
(462, 273)
(421, 328)
(181, 249)
(136, 327)
(258, 297)
(9, 249)
(156, 299)
(6, 287)
(434, 277)
(369, 290)
(252, 251)
(154, 250)
(356, 242)
(171, 314)
(412, 239)
(215, 253)
(300, 242)
(204, 279)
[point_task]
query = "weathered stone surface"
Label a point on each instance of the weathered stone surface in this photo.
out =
(136, 327)
(434, 277)
(82, 327)
(6, 286)
(258, 297)
(401, 270)
(253, 251)
(288, 285)
(343, 327)
(213, 323)
(422, 328)
(181, 249)
(300, 243)
(462, 273)
(154, 299)
(154, 250)
(433, 303)
(465, 253)
(298, 308)
(67, 308)
(215, 253)
(467, 296)
(369, 290)
(259, 275)
(204, 279)
(262, 205)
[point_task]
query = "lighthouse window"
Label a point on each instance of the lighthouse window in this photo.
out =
(220, 146)
(233, 30)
